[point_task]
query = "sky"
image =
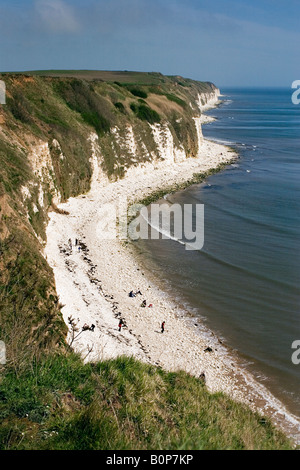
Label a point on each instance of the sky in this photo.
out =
(228, 42)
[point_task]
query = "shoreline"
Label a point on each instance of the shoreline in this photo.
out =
(93, 285)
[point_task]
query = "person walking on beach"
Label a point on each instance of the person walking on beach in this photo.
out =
(120, 324)
(163, 326)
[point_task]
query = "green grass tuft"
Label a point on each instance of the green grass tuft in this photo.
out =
(143, 112)
(50, 399)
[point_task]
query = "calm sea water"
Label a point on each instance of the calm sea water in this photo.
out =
(244, 283)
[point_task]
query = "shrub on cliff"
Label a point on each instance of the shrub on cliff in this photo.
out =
(120, 106)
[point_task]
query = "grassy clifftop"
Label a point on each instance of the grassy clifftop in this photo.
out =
(48, 398)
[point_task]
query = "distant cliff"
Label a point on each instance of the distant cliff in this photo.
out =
(53, 129)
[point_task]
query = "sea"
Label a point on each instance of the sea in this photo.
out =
(243, 284)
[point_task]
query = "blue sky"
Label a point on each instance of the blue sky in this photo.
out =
(229, 42)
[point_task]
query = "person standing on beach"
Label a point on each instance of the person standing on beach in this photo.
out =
(163, 326)
(120, 324)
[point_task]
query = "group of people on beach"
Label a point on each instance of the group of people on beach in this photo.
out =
(87, 327)
(144, 304)
(134, 294)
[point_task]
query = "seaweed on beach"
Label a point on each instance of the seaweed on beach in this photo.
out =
(49, 397)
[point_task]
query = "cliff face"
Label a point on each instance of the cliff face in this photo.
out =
(54, 133)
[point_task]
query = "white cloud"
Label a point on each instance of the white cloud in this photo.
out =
(57, 16)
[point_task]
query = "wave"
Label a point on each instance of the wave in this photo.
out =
(241, 269)
(221, 141)
(226, 210)
(247, 218)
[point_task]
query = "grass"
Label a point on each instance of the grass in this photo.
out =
(137, 92)
(175, 98)
(61, 404)
(197, 178)
(120, 106)
(143, 112)
(30, 320)
(66, 109)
